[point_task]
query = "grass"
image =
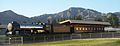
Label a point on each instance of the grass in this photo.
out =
(88, 42)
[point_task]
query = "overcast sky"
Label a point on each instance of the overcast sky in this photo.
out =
(32, 8)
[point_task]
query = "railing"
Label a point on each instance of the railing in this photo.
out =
(55, 37)
(46, 38)
(11, 40)
(95, 35)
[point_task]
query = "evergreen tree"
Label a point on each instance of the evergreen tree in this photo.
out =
(113, 19)
(98, 19)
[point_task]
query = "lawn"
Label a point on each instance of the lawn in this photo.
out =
(78, 42)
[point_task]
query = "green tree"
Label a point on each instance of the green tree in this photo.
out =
(98, 19)
(113, 19)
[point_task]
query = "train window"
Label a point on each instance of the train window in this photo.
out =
(88, 28)
(76, 28)
(79, 28)
(85, 28)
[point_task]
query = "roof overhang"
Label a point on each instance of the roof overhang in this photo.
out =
(84, 22)
(64, 21)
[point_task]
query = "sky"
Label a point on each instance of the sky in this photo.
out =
(32, 8)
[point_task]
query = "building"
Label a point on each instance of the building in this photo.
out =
(77, 26)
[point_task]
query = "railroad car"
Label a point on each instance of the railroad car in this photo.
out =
(67, 26)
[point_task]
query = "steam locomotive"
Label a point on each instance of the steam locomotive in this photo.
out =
(16, 28)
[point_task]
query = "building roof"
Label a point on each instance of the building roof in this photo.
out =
(85, 22)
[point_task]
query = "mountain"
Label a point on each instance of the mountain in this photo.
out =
(9, 16)
(71, 13)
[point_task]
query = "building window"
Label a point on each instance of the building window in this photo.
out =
(76, 28)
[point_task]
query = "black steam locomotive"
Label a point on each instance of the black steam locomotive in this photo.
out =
(16, 28)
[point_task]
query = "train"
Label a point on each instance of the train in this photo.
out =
(14, 28)
(46, 28)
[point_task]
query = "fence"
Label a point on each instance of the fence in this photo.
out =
(46, 38)
(95, 35)
(11, 40)
(55, 37)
